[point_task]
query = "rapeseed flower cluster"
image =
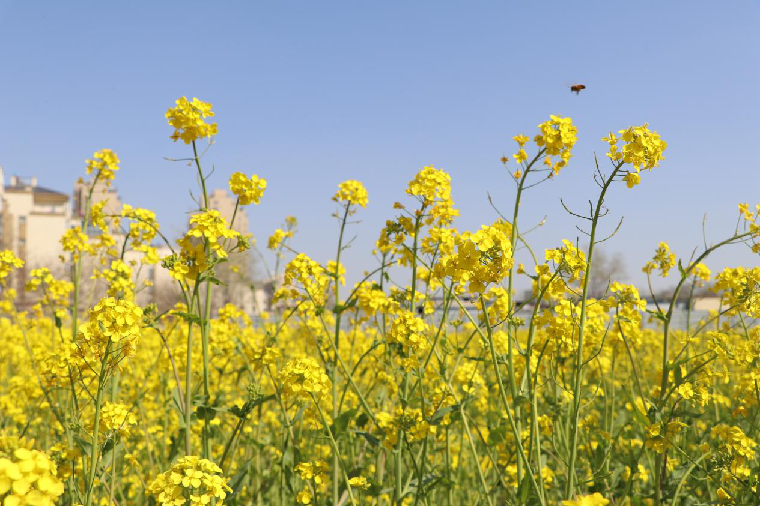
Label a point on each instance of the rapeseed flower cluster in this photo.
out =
(75, 242)
(192, 479)
(303, 378)
(248, 190)
(104, 164)
(28, 478)
(408, 330)
(117, 418)
(311, 277)
(642, 148)
(113, 329)
(8, 261)
(558, 136)
(478, 259)
(351, 192)
(277, 238)
(664, 260)
(433, 187)
(212, 227)
(595, 499)
(189, 120)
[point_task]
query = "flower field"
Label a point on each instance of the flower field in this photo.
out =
(426, 383)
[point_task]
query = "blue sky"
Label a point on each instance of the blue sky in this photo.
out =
(309, 94)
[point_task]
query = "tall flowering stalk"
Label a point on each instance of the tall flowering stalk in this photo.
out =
(194, 265)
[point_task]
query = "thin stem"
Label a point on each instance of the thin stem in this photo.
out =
(578, 369)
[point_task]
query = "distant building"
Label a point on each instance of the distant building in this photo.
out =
(32, 220)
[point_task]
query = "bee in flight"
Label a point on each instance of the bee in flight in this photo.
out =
(576, 88)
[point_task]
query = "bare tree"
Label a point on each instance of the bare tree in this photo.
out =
(605, 269)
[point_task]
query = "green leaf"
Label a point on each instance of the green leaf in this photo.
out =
(340, 424)
(189, 317)
(437, 417)
(107, 456)
(658, 314)
(524, 489)
(298, 416)
(109, 445)
(497, 435)
(83, 445)
(678, 376)
(236, 483)
(249, 406)
(372, 440)
(362, 420)
(521, 399)
(205, 412)
(177, 403)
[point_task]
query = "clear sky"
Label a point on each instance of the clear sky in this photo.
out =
(309, 94)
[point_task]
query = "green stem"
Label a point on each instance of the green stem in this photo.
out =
(578, 369)
(189, 391)
(515, 428)
(475, 456)
(334, 445)
(334, 368)
(94, 452)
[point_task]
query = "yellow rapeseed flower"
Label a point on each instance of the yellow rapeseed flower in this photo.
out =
(104, 164)
(247, 189)
(8, 261)
(188, 117)
(200, 479)
(351, 192)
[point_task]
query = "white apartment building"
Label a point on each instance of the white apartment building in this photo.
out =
(32, 220)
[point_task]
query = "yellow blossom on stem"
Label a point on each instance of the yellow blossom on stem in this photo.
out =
(595, 499)
(8, 261)
(521, 140)
(200, 479)
(351, 192)
(558, 136)
(310, 275)
(247, 189)
(188, 120)
(117, 418)
(114, 323)
(409, 330)
(277, 238)
(211, 226)
(302, 378)
(104, 164)
(641, 148)
(663, 260)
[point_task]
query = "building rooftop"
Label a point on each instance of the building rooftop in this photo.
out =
(41, 194)
(35, 189)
